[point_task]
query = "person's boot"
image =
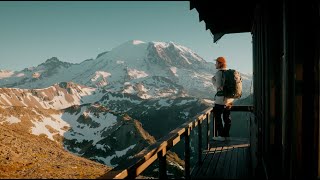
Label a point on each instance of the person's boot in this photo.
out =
(219, 138)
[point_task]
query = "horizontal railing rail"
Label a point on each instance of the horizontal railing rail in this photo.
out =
(159, 149)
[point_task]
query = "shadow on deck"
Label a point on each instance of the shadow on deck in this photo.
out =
(229, 159)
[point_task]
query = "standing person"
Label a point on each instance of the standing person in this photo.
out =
(222, 104)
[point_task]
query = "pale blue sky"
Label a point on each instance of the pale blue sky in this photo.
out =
(73, 31)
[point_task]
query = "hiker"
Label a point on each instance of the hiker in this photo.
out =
(222, 104)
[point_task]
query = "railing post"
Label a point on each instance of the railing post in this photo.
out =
(187, 153)
(200, 143)
(208, 131)
(215, 133)
(162, 165)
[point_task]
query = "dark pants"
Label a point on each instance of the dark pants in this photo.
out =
(218, 111)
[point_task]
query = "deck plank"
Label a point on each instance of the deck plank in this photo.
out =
(227, 160)
(233, 165)
(206, 164)
(240, 164)
(213, 165)
(220, 165)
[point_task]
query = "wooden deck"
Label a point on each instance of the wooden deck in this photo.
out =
(225, 160)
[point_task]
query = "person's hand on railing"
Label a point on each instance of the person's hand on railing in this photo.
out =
(229, 106)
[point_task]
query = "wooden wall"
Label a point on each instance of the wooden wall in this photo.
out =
(286, 89)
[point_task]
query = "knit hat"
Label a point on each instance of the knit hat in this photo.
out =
(221, 60)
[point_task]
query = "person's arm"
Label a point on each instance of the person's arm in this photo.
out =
(220, 84)
(214, 80)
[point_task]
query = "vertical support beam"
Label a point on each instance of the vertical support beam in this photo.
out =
(286, 97)
(187, 153)
(208, 131)
(162, 165)
(199, 142)
(215, 133)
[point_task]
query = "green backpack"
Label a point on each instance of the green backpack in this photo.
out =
(232, 84)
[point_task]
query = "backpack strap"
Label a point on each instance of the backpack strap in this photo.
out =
(223, 79)
(222, 76)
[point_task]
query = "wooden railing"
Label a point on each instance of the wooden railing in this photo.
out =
(159, 149)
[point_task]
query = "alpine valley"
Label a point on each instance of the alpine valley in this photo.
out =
(101, 111)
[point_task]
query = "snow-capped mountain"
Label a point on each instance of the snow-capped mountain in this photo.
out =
(57, 96)
(6, 73)
(131, 64)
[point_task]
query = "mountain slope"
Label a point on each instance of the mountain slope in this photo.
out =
(21, 157)
(58, 96)
(93, 132)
